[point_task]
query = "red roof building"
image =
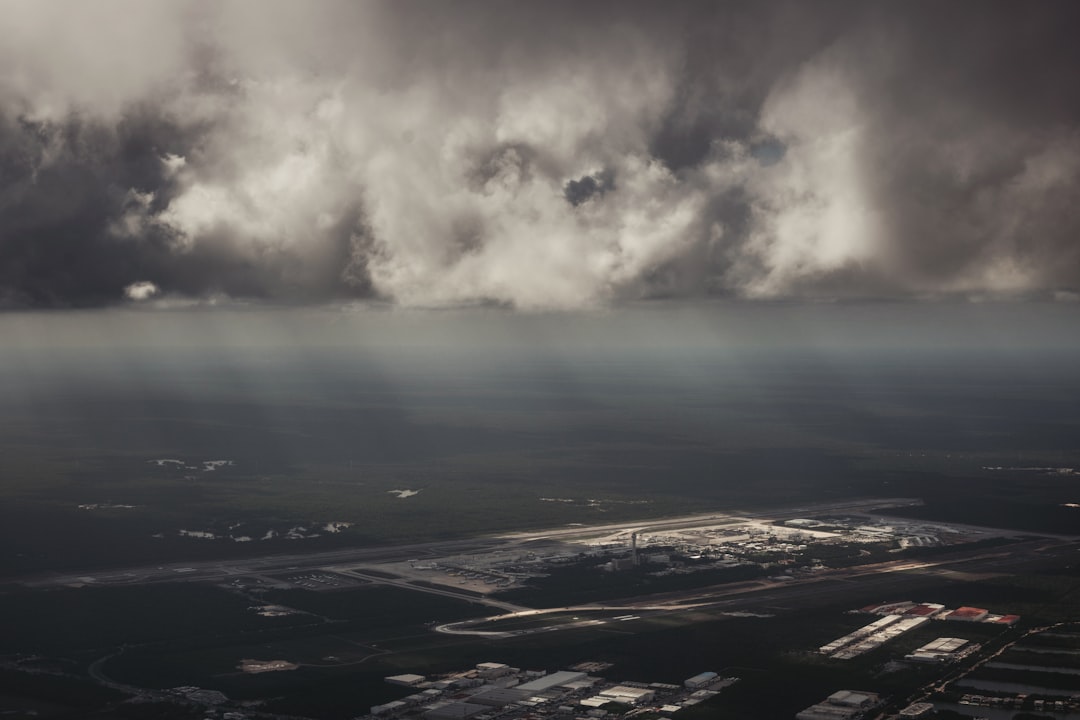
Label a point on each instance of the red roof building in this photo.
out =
(925, 610)
(968, 614)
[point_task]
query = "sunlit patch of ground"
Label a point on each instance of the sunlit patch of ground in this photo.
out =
(261, 666)
(273, 610)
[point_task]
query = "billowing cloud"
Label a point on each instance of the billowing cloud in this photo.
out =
(536, 156)
(140, 291)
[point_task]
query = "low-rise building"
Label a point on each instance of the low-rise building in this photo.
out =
(554, 680)
(628, 695)
(938, 651)
(967, 614)
(493, 670)
(700, 680)
(925, 610)
(499, 697)
(841, 705)
(455, 711)
(917, 710)
(389, 708)
(888, 608)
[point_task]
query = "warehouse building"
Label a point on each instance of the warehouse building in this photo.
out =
(455, 711)
(499, 697)
(699, 681)
(1004, 620)
(628, 695)
(968, 614)
(938, 651)
(562, 678)
(389, 708)
(493, 670)
(925, 610)
(841, 705)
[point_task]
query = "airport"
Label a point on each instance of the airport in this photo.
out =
(801, 558)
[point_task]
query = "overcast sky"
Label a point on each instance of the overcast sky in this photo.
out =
(536, 155)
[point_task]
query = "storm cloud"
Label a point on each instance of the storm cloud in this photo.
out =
(536, 155)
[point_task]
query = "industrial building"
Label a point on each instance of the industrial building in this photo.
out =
(493, 670)
(888, 608)
(1004, 619)
(841, 705)
(455, 711)
(967, 614)
(859, 634)
(700, 681)
(388, 708)
(870, 636)
(939, 612)
(939, 651)
(925, 610)
(499, 697)
(514, 694)
(628, 695)
(916, 710)
(408, 680)
(554, 680)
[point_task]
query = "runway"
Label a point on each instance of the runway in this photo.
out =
(215, 570)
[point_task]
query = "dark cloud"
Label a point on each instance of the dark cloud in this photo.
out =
(437, 154)
(65, 184)
(580, 190)
(74, 229)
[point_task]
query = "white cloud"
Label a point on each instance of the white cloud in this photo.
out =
(346, 140)
(813, 214)
(141, 291)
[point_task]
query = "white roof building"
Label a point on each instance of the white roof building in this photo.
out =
(554, 680)
(629, 695)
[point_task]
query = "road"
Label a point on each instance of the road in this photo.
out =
(899, 579)
(430, 589)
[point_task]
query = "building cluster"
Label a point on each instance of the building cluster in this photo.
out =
(870, 636)
(864, 529)
(940, 612)
(711, 545)
(898, 618)
(842, 705)
(496, 690)
(197, 695)
(1021, 701)
(769, 544)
